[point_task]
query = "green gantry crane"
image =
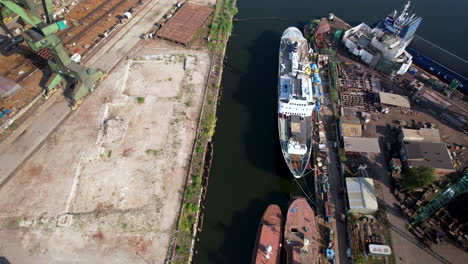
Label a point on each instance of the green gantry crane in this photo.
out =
(42, 34)
(450, 193)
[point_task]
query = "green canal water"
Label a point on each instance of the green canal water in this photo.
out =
(248, 171)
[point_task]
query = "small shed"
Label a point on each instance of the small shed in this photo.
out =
(394, 100)
(361, 195)
(8, 87)
(351, 127)
(361, 145)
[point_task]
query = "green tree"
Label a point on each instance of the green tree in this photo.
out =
(418, 177)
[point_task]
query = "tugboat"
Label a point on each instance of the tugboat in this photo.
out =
(297, 97)
(301, 236)
(270, 232)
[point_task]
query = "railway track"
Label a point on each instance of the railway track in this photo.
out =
(32, 61)
(95, 21)
(81, 20)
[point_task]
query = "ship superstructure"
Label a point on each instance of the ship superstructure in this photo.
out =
(297, 99)
(403, 24)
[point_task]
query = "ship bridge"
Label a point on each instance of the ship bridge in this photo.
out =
(295, 107)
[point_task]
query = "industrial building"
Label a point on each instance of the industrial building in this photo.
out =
(361, 145)
(361, 195)
(422, 134)
(429, 154)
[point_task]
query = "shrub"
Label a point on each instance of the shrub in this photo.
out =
(418, 177)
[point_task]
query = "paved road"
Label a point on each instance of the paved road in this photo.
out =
(126, 38)
(335, 180)
(22, 142)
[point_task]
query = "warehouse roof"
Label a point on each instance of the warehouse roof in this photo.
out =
(394, 99)
(351, 127)
(361, 194)
(185, 23)
(7, 87)
(357, 144)
(423, 134)
(428, 154)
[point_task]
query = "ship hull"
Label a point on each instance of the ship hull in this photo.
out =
(301, 236)
(294, 111)
(270, 233)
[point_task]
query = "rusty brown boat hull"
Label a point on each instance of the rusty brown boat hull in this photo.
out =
(269, 237)
(301, 227)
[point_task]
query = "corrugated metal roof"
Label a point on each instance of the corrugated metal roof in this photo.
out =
(428, 154)
(361, 195)
(423, 134)
(394, 99)
(357, 144)
(8, 87)
(185, 23)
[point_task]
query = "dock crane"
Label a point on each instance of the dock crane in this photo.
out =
(450, 193)
(42, 34)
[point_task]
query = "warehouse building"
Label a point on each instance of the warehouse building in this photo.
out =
(361, 145)
(428, 154)
(361, 195)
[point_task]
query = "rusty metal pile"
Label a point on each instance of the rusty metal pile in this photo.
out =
(183, 26)
(356, 91)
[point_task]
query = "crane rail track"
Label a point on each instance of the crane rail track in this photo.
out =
(33, 61)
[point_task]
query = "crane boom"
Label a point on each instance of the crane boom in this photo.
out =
(43, 35)
(450, 193)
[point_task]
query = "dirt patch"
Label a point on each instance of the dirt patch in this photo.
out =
(113, 131)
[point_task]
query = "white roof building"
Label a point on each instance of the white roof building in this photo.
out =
(361, 195)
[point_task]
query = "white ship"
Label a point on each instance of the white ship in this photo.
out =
(299, 88)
